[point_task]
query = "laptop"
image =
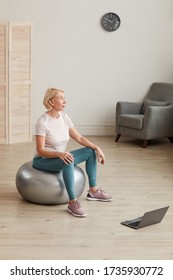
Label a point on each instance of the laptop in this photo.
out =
(149, 218)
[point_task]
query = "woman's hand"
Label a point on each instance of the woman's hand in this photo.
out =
(85, 142)
(66, 157)
(100, 155)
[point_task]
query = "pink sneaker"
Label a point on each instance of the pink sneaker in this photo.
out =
(99, 195)
(75, 209)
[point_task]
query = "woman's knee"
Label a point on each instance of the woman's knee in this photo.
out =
(68, 166)
(91, 152)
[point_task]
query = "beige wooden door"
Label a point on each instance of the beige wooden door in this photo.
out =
(15, 82)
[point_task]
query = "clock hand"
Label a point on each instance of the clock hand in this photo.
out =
(114, 20)
(108, 20)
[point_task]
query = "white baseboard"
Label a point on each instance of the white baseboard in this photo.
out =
(100, 130)
(94, 130)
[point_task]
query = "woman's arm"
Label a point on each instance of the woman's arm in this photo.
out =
(85, 142)
(40, 145)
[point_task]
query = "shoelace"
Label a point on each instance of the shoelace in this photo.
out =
(77, 204)
(101, 190)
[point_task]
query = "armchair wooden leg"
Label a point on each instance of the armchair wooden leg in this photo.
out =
(145, 143)
(117, 137)
(170, 139)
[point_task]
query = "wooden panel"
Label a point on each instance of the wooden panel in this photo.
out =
(3, 83)
(3, 51)
(20, 52)
(3, 117)
(20, 114)
(20, 82)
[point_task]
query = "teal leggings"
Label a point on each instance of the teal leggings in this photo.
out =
(56, 165)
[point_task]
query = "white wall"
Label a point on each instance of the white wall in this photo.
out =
(96, 68)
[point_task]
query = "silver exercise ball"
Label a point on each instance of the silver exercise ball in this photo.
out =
(44, 187)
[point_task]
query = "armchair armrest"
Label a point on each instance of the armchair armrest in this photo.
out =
(124, 107)
(158, 121)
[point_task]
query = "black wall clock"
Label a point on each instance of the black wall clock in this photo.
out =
(110, 21)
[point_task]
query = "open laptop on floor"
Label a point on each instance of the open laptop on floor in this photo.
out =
(149, 218)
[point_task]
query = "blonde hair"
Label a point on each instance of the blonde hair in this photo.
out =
(49, 94)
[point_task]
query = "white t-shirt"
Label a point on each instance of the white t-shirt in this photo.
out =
(55, 131)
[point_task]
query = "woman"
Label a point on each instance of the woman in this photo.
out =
(53, 131)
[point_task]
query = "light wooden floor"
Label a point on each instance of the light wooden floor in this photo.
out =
(140, 180)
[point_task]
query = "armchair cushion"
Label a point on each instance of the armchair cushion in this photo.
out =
(149, 102)
(131, 120)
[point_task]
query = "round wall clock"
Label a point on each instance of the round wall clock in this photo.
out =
(110, 21)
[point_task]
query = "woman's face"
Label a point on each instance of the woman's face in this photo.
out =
(58, 102)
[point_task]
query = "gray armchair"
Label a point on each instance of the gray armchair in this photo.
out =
(150, 119)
